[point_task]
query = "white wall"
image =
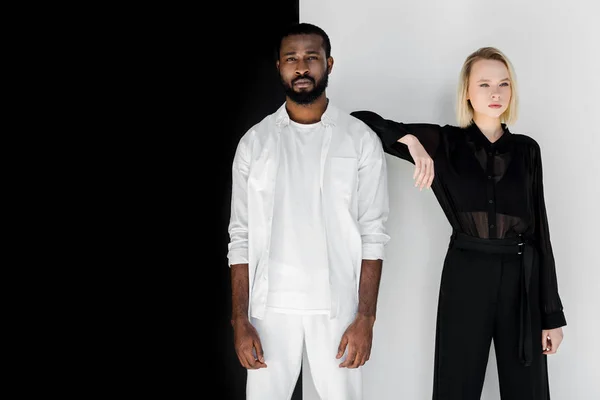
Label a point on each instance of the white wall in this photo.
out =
(401, 59)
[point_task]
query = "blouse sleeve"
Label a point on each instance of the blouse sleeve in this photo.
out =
(551, 305)
(390, 132)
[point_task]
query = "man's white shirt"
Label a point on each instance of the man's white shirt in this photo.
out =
(308, 204)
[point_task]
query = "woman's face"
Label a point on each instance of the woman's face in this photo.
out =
(489, 88)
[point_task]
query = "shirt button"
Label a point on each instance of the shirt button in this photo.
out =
(490, 153)
(492, 226)
(489, 177)
(490, 201)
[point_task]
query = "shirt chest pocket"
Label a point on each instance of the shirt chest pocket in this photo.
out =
(343, 177)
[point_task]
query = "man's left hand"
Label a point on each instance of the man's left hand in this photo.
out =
(357, 339)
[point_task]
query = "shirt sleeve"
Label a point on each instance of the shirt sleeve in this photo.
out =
(238, 222)
(373, 202)
(390, 131)
(551, 305)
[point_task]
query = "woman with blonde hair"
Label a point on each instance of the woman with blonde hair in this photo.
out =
(499, 278)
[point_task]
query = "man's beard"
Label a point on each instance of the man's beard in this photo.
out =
(306, 96)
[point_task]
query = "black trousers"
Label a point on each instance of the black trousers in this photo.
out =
(479, 301)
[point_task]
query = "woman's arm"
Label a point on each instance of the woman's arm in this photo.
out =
(416, 143)
(551, 305)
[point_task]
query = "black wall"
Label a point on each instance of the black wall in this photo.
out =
(245, 68)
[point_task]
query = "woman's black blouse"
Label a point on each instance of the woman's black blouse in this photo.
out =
(487, 190)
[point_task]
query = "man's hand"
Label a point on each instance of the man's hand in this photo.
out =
(551, 339)
(358, 339)
(247, 344)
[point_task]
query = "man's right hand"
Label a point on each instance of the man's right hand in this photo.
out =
(247, 344)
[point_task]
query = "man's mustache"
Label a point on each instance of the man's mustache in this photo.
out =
(306, 77)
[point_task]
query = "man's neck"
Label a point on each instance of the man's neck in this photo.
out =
(307, 113)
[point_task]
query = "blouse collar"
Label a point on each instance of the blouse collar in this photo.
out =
(482, 141)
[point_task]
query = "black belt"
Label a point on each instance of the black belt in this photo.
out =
(518, 245)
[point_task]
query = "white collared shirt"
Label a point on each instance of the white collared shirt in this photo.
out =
(354, 202)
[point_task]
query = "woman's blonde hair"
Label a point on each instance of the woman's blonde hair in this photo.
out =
(464, 110)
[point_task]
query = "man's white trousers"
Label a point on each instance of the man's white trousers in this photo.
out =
(283, 337)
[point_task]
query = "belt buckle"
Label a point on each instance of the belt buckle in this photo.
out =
(520, 244)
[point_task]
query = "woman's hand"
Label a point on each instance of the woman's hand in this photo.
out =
(424, 169)
(551, 339)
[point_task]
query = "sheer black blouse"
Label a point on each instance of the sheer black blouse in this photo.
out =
(486, 190)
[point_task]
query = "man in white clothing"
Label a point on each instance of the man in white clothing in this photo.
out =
(307, 234)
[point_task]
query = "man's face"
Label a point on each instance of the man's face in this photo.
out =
(303, 67)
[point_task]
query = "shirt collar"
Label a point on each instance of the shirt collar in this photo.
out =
(329, 117)
(482, 141)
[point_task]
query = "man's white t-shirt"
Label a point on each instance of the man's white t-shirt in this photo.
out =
(298, 266)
